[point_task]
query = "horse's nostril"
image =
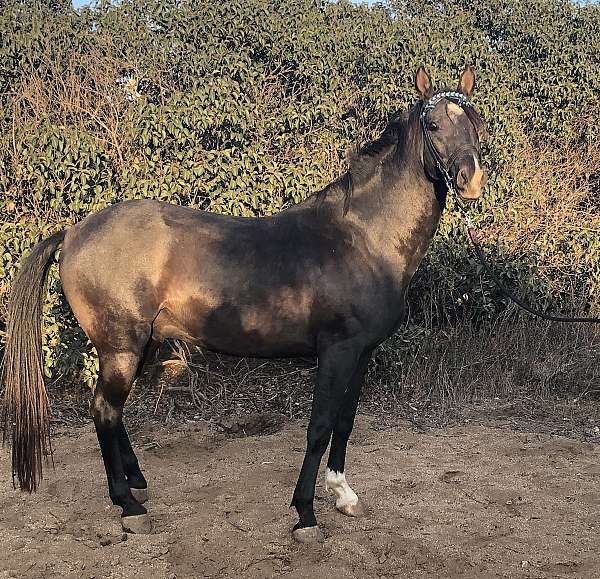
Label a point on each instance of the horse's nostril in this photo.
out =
(462, 179)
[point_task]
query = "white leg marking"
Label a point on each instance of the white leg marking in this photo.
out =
(336, 482)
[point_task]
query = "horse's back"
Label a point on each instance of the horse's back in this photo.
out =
(248, 286)
(189, 274)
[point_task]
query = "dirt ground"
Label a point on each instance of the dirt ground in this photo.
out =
(463, 501)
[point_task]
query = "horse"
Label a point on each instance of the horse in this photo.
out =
(326, 277)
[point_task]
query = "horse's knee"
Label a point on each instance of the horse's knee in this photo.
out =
(117, 373)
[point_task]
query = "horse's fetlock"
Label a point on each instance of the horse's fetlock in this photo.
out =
(137, 481)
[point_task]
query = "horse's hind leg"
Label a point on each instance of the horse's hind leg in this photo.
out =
(133, 473)
(118, 370)
(135, 478)
(346, 500)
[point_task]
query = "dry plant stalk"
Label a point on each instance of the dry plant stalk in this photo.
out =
(561, 202)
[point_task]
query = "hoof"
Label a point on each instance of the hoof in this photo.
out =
(140, 495)
(357, 510)
(308, 535)
(138, 524)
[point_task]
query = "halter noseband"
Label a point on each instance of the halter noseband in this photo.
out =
(462, 101)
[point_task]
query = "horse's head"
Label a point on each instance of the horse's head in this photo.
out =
(452, 131)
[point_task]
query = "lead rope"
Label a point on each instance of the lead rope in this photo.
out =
(474, 239)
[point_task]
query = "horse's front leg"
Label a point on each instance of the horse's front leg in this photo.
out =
(346, 500)
(338, 361)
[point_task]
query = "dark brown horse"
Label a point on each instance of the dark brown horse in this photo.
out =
(326, 277)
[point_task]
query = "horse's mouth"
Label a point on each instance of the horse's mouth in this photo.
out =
(469, 195)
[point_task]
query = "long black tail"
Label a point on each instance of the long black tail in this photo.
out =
(26, 417)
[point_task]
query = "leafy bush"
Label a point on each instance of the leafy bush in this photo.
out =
(248, 106)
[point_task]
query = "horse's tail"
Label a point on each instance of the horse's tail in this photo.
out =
(26, 414)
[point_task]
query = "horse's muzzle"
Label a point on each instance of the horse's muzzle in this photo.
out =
(470, 178)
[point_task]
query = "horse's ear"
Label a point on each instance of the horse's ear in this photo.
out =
(423, 83)
(466, 84)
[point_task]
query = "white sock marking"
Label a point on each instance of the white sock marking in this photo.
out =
(336, 482)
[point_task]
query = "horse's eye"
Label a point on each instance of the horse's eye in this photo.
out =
(432, 126)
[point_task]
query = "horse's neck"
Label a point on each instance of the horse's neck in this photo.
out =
(399, 214)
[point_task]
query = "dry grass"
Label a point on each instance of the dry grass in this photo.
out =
(508, 360)
(555, 214)
(80, 95)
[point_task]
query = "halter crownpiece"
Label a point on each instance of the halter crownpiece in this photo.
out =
(457, 97)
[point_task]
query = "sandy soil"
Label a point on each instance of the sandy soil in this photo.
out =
(466, 501)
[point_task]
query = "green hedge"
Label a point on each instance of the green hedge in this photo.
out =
(245, 107)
